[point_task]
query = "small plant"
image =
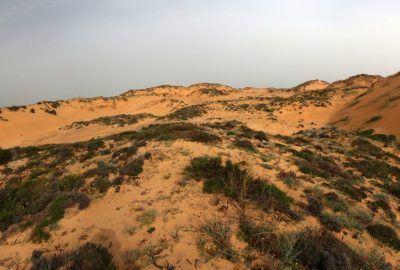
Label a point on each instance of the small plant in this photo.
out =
(88, 257)
(216, 242)
(289, 178)
(5, 156)
(336, 221)
(236, 183)
(102, 184)
(245, 144)
(147, 217)
(134, 168)
(186, 113)
(315, 205)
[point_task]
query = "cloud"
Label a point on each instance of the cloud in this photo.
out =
(66, 48)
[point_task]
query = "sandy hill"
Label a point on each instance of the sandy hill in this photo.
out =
(312, 85)
(358, 81)
(205, 177)
(378, 109)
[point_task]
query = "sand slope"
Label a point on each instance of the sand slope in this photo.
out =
(378, 109)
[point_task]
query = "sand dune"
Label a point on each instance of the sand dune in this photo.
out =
(378, 109)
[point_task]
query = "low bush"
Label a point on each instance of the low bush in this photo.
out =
(87, 257)
(245, 144)
(236, 183)
(166, 132)
(384, 234)
(20, 198)
(101, 184)
(336, 221)
(289, 178)
(322, 250)
(5, 156)
(374, 168)
(382, 202)
(186, 113)
(315, 205)
(133, 168)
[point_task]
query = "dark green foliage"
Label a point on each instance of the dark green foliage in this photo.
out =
(331, 223)
(212, 92)
(315, 205)
(133, 168)
(322, 250)
(317, 165)
(335, 202)
(350, 189)
(56, 213)
(94, 145)
(53, 112)
(147, 155)
(101, 184)
(261, 136)
(393, 188)
(236, 183)
(125, 153)
(5, 156)
(220, 234)
(245, 144)
(367, 148)
(385, 234)
(293, 139)
(382, 202)
(186, 113)
(309, 249)
(117, 120)
(257, 236)
(374, 168)
(87, 257)
(166, 132)
(268, 196)
(20, 198)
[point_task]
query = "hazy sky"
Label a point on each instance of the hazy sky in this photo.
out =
(54, 49)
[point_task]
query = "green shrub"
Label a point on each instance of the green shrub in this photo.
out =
(147, 217)
(88, 257)
(385, 234)
(102, 184)
(322, 250)
(336, 221)
(374, 168)
(133, 168)
(219, 234)
(5, 156)
(236, 183)
(245, 144)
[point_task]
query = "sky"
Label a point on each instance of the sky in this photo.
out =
(58, 49)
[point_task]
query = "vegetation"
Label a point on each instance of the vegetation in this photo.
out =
(385, 234)
(236, 183)
(5, 156)
(20, 198)
(186, 113)
(88, 257)
(219, 234)
(120, 120)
